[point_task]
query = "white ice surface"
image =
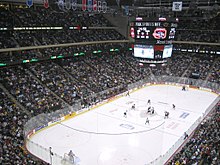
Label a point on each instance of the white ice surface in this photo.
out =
(103, 136)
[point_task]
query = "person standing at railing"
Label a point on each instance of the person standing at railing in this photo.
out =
(184, 88)
(128, 93)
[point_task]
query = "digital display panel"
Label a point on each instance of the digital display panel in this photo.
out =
(156, 32)
(144, 51)
(167, 52)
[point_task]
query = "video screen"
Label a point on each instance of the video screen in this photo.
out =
(167, 52)
(144, 51)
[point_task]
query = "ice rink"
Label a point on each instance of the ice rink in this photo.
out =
(104, 136)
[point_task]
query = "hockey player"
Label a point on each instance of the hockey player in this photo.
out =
(166, 115)
(148, 102)
(173, 106)
(147, 121)
(133, 107)
(185, 135)
(125, 114)
(149, 109)
(152, 110)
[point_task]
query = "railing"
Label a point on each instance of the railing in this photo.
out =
(41, 121)
(45, 153)
(162, 159)
(62, 45)
(44, 120)
(191, 83)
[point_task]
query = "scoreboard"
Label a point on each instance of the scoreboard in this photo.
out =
(153, 32)
(152, 37)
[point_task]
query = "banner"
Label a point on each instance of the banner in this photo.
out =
(90, 5)
(104, 7)
(46, 3)
(74, 4)
(177, 6)
(68, 4)
(29, 3)
(94, 5)
(99, 6)
(83, 5)
(60, 4)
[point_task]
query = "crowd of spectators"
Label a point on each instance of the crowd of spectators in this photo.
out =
(55, 17)
(202, 30)
(7, 40)
(58, 81)
(214, 76)
(48, 86)
(12, 120)
(105, 70)
(25, 38)
(201, 65)
(203, 147)
(28, 91)
(21, 16)
(179, 63)
(5, 18)
(44, 37)
(176, 66)
(13, 57)
(39, 17)
(204, 66)
(64, 51)
(198, 35)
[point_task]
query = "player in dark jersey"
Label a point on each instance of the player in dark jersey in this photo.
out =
(133, 107)
(147, 121)
(125, 114)
(166, 115)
